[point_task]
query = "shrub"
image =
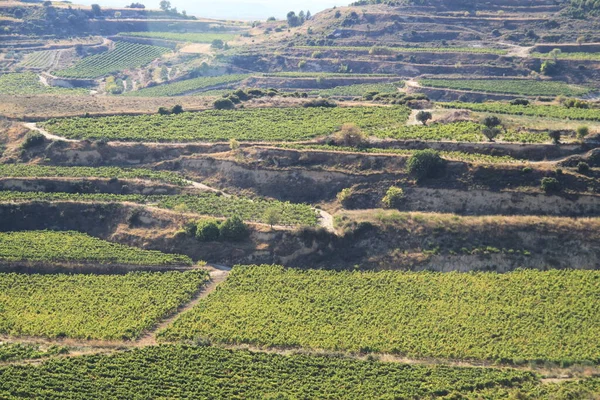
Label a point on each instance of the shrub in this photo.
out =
(393, 197)
(32, 139)
(243, 96)
(555, 136)
(351, 135)
(164, 111)
(380, 51)
(208, 230)
(233, 229)
(425, 164)
(519, 102)
(550, 185)
(423, 117)
(224, 104)
(583, 167)
(177, 109)
(491, 121)
(527, 170)
(582, 131)
(344, 196)
(320, 103)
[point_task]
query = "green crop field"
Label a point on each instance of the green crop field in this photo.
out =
(448, 155)
(36, 171)
(28, 83)
(524, 87)
(519, 316)
(204, 204)
(460, 132)
(569, 56)
(186, 86)
(544, 111)
(361, 89)
(264, 124)
(72, 247)
(211, 373)
(109, 307)
(40, 59)
(472, 50)
(18, 351)
(184, 37)
(124, 56)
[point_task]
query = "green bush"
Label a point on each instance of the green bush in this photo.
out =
(344, 196)
(582, 131)
(393, 197)
(207, 230)
(583, 167)
(425, 164)
(233, 229)
(551, 185)
(32, 139)
(224, 104)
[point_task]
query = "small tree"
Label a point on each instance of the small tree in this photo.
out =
(423, 117)
(350, 135)
(550, 185)
(177, 109)
(555, 53)
(555, 136)
(223, 104)
(582, 131)
(217, 44)
(165, 5)
(490, 133)
(207, 230)
(425, 164)
(491, 121)
(580, 40)
(233, 229)
(96, 10)
(393, 197)
(234, 145)
(118, 14)
(272, 216)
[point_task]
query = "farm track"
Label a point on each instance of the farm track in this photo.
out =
(216, 276)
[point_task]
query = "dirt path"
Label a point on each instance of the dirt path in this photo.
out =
(516, 50)
(33, 126)
(216, 276)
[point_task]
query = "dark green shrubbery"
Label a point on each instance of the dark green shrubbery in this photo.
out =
(233, 229)
(207, 230)
(426, 164)
(32, 139)
(224, 104)
(551, 185)
(320, 103)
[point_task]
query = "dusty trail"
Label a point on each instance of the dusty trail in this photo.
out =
(216, 276)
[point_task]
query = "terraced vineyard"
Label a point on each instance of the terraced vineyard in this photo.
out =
(544, 111)
(519, 316)
(204, 204)
(184, 37)
(37, 171)
(361, 89)
(524, 87)
(124, 56)
(40, 59)
(28, 83)
(569, 56)
(75, 247)
(265, 124)
(187, 86)
(108, 307)
(468, 50)
(448, 155)
(208, 372)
